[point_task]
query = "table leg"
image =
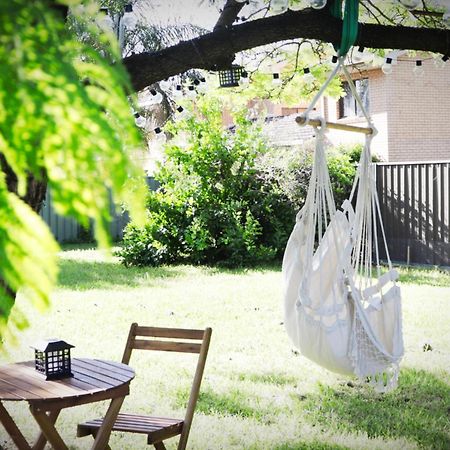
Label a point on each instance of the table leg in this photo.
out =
(48, 429)
(102, 437)
(42, 440)
(12, 430)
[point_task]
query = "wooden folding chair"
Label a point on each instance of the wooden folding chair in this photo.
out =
(158, 429)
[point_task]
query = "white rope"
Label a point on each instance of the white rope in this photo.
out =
(319, 94)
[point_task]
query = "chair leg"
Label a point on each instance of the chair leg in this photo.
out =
(94, 435)
(159, 446)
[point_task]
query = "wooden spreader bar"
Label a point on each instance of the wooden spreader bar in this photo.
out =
(301, 120)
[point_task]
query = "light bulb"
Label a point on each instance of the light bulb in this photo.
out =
(276, 80)
(178, 91)
(244, 80)
(279, 6)
(180, 112)
(160, 136)
(156, 97)
(441, 62)
(191, 92)
(203, 86)
(418, 69)
(359, 55)
(446, 18)
(317, 4)
(165, 84)
(333, 61)
(410, 4)
(308, 77)
(139, 120)
(128, 21)
(387, 66)
(105, 21)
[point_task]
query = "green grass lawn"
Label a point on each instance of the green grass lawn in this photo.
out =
(258, 392)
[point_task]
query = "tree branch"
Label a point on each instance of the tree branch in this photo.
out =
(216, 50)
(229, 13)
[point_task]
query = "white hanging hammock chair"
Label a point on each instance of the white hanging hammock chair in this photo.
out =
(339, 312)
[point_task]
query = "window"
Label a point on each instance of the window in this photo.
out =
(348, 106)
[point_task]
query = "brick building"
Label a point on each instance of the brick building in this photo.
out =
(410, 112)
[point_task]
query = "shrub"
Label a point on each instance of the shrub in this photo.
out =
(290, 168)
(214, 205)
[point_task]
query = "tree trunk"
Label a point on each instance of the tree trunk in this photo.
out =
(36, 188)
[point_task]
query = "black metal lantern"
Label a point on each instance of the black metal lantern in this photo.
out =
(52, 359)
(230, 77)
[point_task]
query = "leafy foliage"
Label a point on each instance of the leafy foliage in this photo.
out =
(65, 119)
(291, 167)
(214, 204)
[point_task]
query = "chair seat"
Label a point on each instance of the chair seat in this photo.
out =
(156, 428)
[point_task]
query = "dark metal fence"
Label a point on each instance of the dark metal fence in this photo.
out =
(66, 229)
(414, 200)
(415, 205)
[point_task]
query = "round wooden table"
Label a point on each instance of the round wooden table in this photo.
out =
(94, 380)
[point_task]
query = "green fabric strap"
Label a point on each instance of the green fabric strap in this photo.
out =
(350, 23)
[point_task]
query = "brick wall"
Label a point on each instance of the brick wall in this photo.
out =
(418, 111)
(412, 114)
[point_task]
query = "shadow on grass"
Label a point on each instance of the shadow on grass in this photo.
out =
(417, 410)
(231, 404)
(277, 379)
(84, 275)
(424, 275)
(314, 445)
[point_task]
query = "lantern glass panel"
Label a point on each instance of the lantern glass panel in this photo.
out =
(230, 77)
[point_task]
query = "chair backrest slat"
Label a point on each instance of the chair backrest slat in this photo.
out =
(167, 346)
(174, 333)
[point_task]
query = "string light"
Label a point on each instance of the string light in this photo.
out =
(165, 84)
(276, 80)
(279, 6)
(387, 66)
(308, 77)
(441, 62)
(128, 20)
(156, 97)
(191, 92)
(418, 69)
(159, 135)
(359, 55)
(333, 61)
(105, 22)
(244, 80)
(180, 112)
(178, 91)
(139, 120)
(317, 4)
